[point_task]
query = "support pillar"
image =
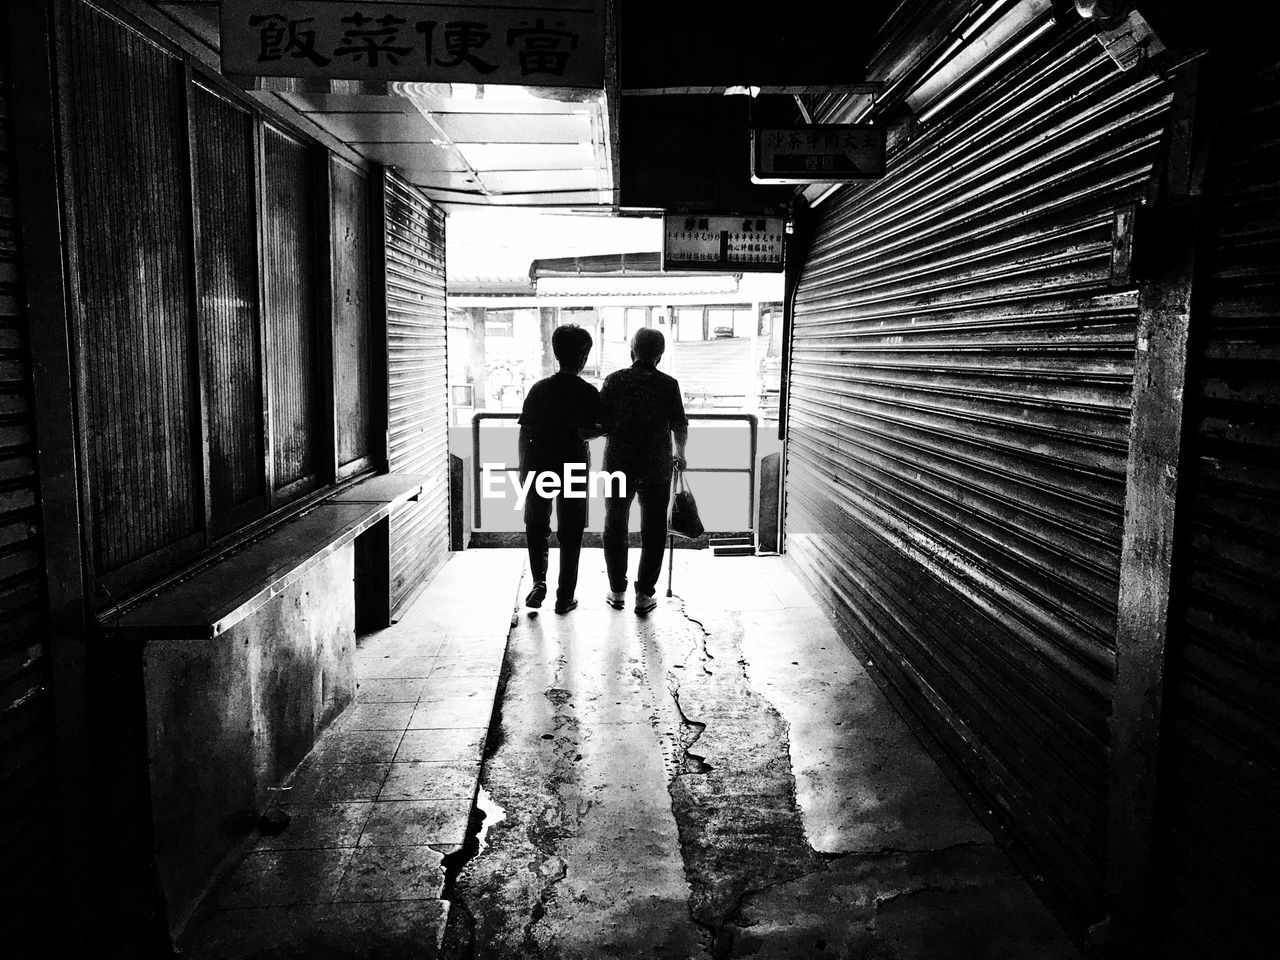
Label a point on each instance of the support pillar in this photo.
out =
(1166, 240)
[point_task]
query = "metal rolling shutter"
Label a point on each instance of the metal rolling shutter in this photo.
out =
(1220, 787)
(26, 724)
(959, 401)
(417, 376)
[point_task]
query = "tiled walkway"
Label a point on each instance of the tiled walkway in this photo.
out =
(386, 794)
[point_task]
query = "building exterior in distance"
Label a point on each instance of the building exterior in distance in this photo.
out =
(724, 331)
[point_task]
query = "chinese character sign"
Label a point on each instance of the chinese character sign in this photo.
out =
(517, 42)
(697, 242)
(818, 153)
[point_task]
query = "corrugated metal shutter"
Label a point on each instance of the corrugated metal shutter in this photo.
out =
(351, 342)
(1220, 791)
(227, 303)
(26, 725)
(959, 403)
(709, 369)
(290, 312)
(417, 376)
(125, 158)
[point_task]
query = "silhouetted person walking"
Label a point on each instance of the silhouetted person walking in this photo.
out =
(560, 413)
(641, 411)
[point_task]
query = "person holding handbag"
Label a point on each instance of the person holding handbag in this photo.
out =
(641, 413)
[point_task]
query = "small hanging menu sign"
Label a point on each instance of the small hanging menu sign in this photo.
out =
(819, 153)
(722, 242)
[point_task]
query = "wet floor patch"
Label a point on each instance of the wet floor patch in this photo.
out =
(586, 861)
(493, 913)
(639, 800)
(734, 800)
(647, 791)
(957, 903)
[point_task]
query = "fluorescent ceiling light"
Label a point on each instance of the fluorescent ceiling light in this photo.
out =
(825, 193)
(489, 92)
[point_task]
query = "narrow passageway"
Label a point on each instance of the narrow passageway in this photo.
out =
(721, 778)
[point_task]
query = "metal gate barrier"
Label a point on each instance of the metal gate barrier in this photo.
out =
(750, 470)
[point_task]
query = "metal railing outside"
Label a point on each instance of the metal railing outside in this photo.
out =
(750, 469)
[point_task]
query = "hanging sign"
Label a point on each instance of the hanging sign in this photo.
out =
(818, 153)
(723, 243)
(517, 42)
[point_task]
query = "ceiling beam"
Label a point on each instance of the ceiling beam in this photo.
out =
(847, 89)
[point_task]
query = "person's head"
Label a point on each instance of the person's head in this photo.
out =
(572, 345)
(647, 345)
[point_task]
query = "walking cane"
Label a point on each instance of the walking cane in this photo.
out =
(671, 561)
(671, 537)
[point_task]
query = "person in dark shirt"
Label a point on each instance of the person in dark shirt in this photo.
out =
(641, 410)
(560, 413)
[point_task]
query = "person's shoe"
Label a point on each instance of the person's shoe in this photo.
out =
(616, 599)
(536, 595)
(645, 602)
(564, 606)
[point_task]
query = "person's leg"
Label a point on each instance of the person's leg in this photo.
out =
(571, 520)
(654, 496)
(616, 511)
(537, 529)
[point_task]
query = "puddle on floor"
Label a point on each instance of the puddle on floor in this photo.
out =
(493, 815)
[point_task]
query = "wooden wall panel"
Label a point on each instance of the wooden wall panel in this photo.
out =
(352, 346)
(227, 298)
(124, 124)
(291, 311)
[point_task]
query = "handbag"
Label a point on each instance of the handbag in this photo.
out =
(684, 521)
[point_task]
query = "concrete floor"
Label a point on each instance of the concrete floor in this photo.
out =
(720, 778)
(386, 796)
